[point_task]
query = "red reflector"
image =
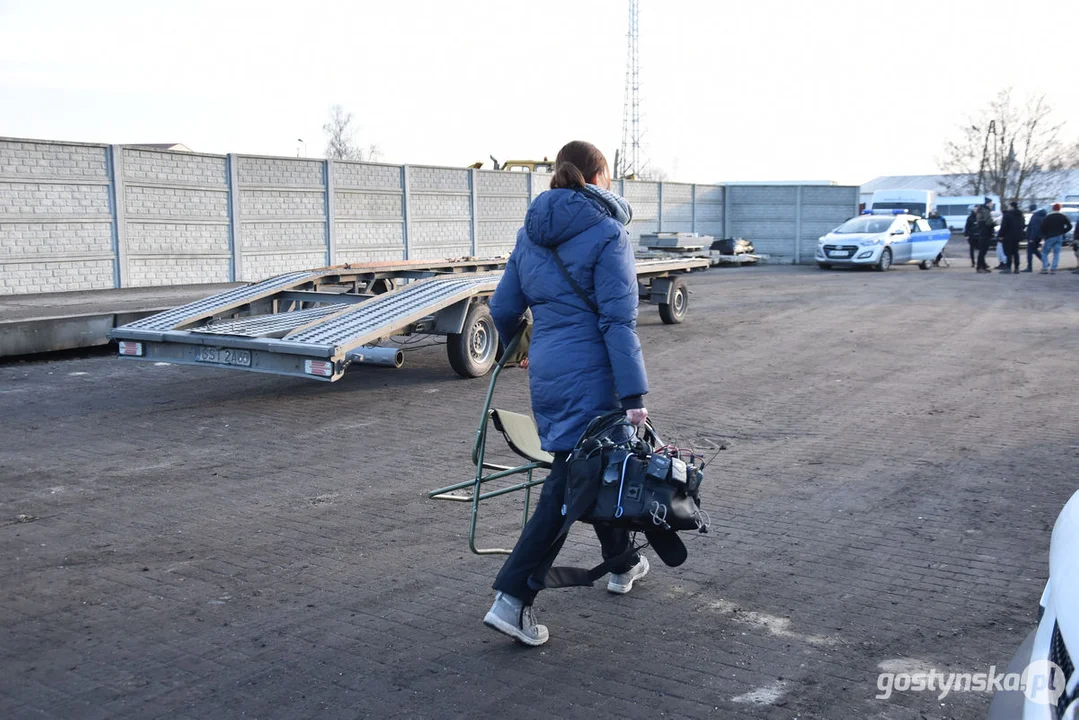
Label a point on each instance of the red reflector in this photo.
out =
(321, 368)
(130, 348)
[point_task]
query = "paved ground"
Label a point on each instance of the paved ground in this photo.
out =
(191, 542)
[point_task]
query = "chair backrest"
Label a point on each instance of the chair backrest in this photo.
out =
(521, 435)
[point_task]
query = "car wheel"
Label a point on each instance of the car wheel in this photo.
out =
(925, 264)
(885, 261)
(824, 266)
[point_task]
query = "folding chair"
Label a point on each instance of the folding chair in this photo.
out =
(522, 437)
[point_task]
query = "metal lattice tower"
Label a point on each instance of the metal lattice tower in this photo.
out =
(630, 153)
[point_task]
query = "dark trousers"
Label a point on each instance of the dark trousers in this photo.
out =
(1011, 254)
(973, 242)
(1033, 251)
(983, 248)
(539, 543)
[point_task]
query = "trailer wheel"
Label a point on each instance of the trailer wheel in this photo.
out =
(473, 351)
(675, 311)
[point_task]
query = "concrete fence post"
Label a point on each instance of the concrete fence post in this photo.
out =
(115, 165)
(727, 211)
(407, 219)
(331, 214)
(693, 208)
(659, 209)
(236, 263)
(798, 225)
(473, 175)
(530, 186)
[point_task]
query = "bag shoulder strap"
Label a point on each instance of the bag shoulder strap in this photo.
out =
(573, 283)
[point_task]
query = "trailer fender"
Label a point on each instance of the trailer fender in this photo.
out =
(451, 320)
(661, 291)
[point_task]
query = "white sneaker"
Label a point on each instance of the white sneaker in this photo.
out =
(508, 615)
(622, 583)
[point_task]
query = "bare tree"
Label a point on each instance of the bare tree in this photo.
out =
(1009, 149)
(1071, 156)
(340, 142)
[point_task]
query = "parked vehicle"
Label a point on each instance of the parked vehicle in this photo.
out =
(881, 240)
(1056, 637)
(955, 208)
(916, 202)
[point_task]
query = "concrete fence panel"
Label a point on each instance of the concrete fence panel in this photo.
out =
(824, 208)
(643, 197)
(369, 222)
(439, 213)
(502, 200)
(282, 223)
(767, 215)
(173, 217)
(676, 207)
(56, 221)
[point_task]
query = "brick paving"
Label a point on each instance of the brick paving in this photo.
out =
(200, 543)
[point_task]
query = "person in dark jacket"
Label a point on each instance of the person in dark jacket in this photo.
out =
(1034, 236)
(970, 231)
(1011, 233)
(582, 362)
(1055, 226)
(986, 230)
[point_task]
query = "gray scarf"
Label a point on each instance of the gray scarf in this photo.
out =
(616, 205)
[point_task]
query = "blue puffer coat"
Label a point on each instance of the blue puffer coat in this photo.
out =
(580, 364)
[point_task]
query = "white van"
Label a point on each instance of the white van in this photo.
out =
(955, 208)
(915, 202)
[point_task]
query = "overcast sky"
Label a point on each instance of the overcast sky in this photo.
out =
(730, 90)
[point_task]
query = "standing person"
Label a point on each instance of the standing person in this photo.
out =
(970, 231)
(1054, 227)
(986, 225)
(999, 244)
(1034, 236)
(1011, 233)
(585, 359)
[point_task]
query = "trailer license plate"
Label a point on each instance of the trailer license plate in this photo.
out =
(223, 356)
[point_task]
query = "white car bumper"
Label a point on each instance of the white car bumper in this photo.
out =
(838, 254)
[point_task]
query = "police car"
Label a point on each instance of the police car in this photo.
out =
(880, 239)
(1046, 659)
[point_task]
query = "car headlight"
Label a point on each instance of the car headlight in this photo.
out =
(867, 243)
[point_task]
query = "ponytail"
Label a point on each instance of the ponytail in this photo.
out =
(567, 175)
(578, 162)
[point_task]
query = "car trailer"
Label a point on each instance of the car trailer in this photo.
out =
(316, 323)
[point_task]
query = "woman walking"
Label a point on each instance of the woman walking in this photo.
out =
(585, 359)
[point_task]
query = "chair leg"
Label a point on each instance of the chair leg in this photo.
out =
(477, 492)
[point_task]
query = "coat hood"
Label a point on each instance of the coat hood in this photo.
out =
(555, 216)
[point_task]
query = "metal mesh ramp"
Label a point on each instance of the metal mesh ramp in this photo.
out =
(267, 325)
(216, 303)
(383, 313)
